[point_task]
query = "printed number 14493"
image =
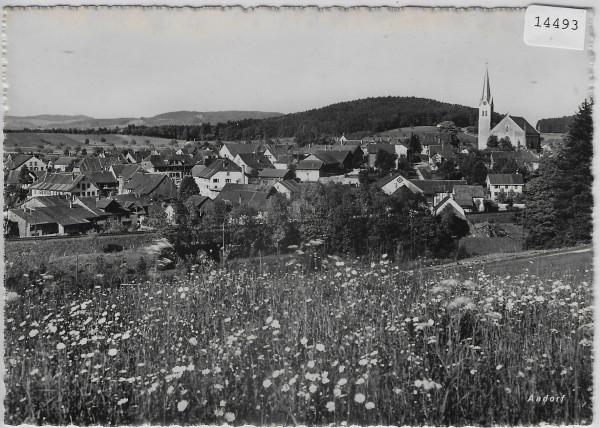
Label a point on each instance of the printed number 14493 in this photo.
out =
(563, 25)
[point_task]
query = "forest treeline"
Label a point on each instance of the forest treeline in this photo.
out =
(355, 119)
(558, 125)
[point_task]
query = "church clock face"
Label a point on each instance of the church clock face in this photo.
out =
(485, 103)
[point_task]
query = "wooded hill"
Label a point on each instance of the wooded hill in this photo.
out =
(558, 125)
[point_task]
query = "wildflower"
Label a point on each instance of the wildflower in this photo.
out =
(33, 372)
(229, 417)
(122, 401)
(320, 347)
(33, 333)
(61, 346)
(337, 392)
(330, 406)
(363, 362)
(285, 387)
(304, 341)
(112, 352)
(343, 381)
(182, 405)
(222, 403)
(370, 405)
(193, 341)
(359, 398)
(267, 383)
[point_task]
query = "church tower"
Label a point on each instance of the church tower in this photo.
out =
(486, 109)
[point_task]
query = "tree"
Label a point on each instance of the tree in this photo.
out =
(187, 188)
(492, 141)
(505, 145)
(450, 128)
(449, 171)
(173, 142)
(25, 175)
(84, 152)
(87, 141)
(66, 152)
(385, 161)
(559, 197)
(102, 139)
(414, 144)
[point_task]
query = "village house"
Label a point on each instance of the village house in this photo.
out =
(55, 216)
(252, 163)
(439, 153)
(158, 187)
(506, 184)
(231, 150)
(96, 164)
(137, 156)
(18, 161)
(449, 204)
(220, 172)
(435, 191)
(310, 170)
(105, 181)
(391, 183)
(469, 198)
(272, 176)
(63, 183)
(123, 173)
(175, 166)
(255, 196)
(283, 162)
(273, 152)
(63, 163)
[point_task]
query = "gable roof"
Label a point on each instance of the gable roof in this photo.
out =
(57, 181)
(255, 196)
(101, 178)
(198, 200)
(64, 161)
(93, 164)
(218, 165)
(464, 194)
(255, 161)
(524, 125)
(241, 148)
(274, 173)
(505, 179)
(449, 203)
(309, 165)
(126, 170)
(431, 187)
(143, 184)
(444, 150)
(18, 160)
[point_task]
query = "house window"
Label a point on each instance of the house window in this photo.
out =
(227, 180)
(215, 180)
(506, 128)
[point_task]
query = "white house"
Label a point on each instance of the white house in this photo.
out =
(309, 170)
(18, 161)
(213, 178)
(392, 182)
(498, 183)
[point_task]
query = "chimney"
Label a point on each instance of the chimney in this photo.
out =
(243, 174)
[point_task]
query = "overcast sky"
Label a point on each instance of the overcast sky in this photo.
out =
(128, 62)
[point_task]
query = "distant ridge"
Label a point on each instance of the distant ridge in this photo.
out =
(49, 121)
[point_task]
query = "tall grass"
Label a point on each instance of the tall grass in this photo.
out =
(345, 344)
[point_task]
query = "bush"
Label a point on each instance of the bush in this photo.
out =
(112, 248)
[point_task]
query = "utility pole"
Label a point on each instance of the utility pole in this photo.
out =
(223, 246)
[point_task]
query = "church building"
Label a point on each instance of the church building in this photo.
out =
(514, 128)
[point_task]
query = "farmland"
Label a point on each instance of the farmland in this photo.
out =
(328, 341)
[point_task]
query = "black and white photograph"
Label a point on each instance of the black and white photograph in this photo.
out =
(298, 216)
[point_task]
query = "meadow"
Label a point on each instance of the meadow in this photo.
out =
(317, 342)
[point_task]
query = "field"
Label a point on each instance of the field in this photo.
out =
(29, 141)
(319, 342)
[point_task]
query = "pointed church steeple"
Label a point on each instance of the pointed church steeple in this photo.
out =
(486, 94)
(486, 111)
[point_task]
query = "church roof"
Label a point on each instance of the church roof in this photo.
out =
(486, 93)
(524, 125)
